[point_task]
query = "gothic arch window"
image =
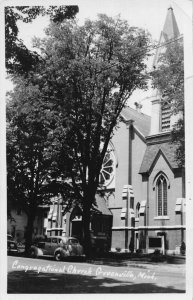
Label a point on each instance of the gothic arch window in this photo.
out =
(162, 195)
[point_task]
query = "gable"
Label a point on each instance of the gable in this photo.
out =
(160, 162)
(152, 153)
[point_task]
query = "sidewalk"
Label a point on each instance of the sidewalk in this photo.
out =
(135, 257)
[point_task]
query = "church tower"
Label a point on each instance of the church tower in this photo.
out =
(161, 118)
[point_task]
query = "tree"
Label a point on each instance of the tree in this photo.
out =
(88, 73)
(26, 144)
(168, 78)
(30, 146)
(19, 59)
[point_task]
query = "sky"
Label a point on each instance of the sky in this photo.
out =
(147, 14)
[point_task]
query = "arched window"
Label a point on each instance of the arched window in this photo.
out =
(107, 173)
(137, 210)
(161, 187)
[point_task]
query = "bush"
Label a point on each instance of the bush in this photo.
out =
(139, 251)
(157, 256)
(183, 248)
(157, 252)
(118, 249)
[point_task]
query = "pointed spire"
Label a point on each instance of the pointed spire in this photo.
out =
(170, 31)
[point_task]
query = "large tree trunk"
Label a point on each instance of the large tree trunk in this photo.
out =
(29, 229)
(86, 231)
(86, 219)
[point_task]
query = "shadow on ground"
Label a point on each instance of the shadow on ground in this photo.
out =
(45, 283)
(115, 263)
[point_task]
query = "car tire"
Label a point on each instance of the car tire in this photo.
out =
(33, 253)
(58, 256)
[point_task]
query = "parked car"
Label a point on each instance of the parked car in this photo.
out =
(58, 246)
(11, 245)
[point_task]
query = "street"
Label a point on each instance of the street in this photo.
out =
(26, 275)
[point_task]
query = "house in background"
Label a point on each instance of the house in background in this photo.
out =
(16, 225)
(144, 202)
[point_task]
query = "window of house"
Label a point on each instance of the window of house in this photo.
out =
(137, 210)
(132, 202)
(161, 186)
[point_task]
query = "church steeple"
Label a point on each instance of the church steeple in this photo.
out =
(170, 31)
(160, 119)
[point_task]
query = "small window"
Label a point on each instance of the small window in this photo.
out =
(132, 202)
(73, 241)
(54, 240)
(137, 210)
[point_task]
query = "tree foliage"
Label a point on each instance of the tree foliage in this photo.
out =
(89, 73)
(30, 165)
(86, 75)
(169, 79)
(19, 59)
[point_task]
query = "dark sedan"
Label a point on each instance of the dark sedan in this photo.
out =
(59, 247)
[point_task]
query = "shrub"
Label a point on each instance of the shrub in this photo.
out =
(183, 248)
(157, 252)
(118, 249)
(139, 251)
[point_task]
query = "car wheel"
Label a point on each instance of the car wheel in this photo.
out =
(33, 253)
(58, 256)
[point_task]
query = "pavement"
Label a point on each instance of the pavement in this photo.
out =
(26, 275)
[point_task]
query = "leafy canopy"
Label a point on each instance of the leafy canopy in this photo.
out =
(19, 59)
(88, 73)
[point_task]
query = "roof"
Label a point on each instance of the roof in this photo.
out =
(167, 149)
(101, 206)
(141, 121)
